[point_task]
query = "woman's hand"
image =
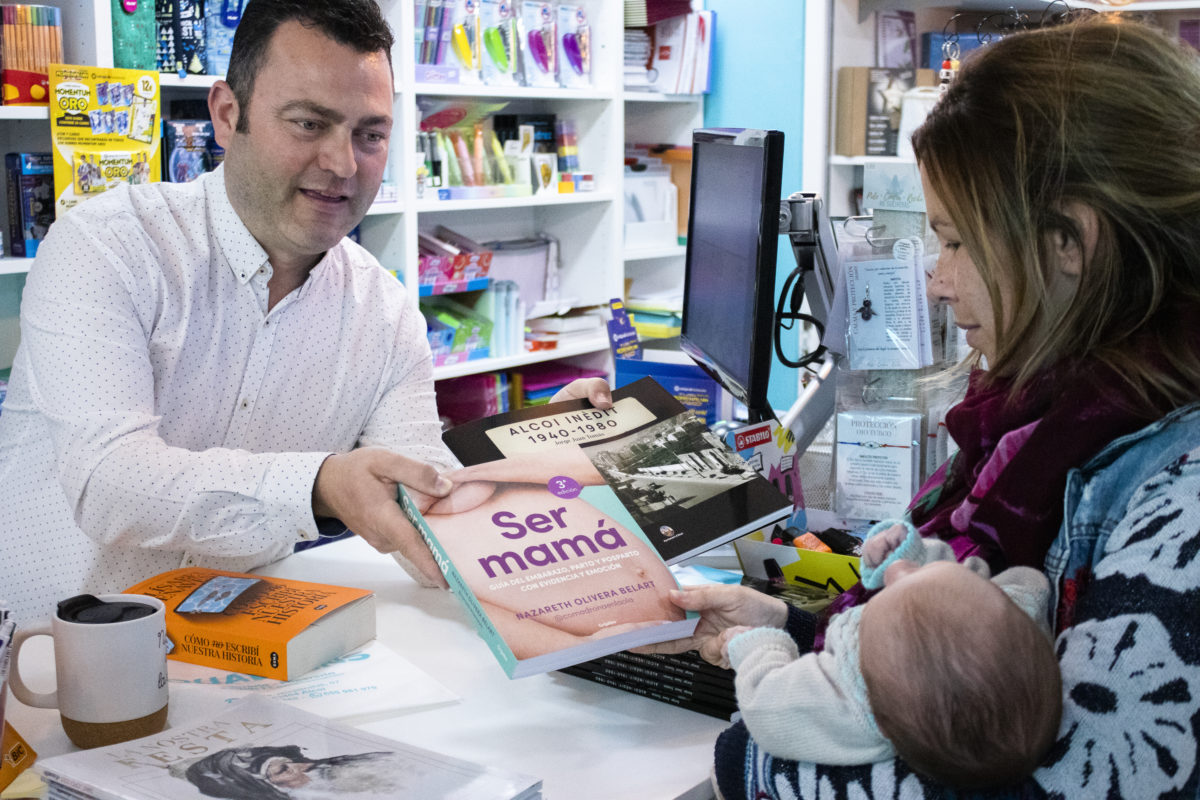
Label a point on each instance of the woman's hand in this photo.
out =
(721, 608)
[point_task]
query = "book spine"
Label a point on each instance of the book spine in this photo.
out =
(700, 691)
(75, 786)
(458, 585)
(694, 682)
(681, 664)
(12, 175)
(230, 652)
(726, 714)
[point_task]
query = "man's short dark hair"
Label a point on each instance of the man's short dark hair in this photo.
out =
(357, 24)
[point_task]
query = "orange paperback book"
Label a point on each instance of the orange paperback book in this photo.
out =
(272, 627)
(15, 753)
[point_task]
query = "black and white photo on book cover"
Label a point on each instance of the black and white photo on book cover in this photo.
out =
(684, 487)
(261, 749)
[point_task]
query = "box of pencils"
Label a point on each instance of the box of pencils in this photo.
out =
(30, 41)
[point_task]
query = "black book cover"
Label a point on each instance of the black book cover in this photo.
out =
(685, 488)
(720, 712)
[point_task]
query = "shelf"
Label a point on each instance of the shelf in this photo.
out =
(391, 207)
(24, 112)
(665, 251)
(452, 287)
(507, 92)
(866, 7)
(658, 97)
(858, 161)
(173, 81)
(575, 347)
(14, 266)
(427, 206)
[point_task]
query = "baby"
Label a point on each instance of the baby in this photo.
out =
(953, 672)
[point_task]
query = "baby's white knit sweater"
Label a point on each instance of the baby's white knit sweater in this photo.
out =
(813, 707)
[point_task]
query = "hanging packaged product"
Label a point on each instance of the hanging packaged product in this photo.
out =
(459, 44)
(500, 50)
(575, 67)
(180, 36)
(105, 127)
(221, 18)
(539, 39)
(134, 31)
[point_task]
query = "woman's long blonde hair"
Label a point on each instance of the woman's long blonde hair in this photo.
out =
(1101, 113)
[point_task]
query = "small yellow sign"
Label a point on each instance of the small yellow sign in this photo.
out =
(105, 125)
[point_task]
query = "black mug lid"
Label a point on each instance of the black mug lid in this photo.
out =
(87, 609)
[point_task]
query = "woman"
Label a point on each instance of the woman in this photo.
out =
(1062, 179)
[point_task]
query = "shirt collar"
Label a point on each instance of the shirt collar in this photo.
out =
(242, 251)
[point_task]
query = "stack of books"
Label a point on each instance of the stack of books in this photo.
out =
(639, 13)
(638, 52)
(535, 384)
(683, 680)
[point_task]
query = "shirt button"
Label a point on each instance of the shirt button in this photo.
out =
(245, 404)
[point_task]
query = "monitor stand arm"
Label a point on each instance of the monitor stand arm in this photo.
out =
(803, 218)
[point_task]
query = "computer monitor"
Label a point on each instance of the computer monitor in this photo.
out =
(729, 279)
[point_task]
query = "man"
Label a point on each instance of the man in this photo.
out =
(206, 369)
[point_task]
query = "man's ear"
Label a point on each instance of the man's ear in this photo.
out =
(224, 110)
(1073, 255)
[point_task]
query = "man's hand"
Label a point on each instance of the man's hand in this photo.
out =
(721, 607)
(594, 390)
(359, 488)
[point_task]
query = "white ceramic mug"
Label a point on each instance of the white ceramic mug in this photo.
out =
(110, 664)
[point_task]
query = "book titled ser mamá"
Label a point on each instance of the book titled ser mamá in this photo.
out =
(272, 627)
(551, 568)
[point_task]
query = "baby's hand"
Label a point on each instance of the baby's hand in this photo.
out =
(726, 637)
(877, 548)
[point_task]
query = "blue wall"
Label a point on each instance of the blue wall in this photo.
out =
(758, 83)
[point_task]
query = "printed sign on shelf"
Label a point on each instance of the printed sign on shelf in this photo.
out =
(105, 127)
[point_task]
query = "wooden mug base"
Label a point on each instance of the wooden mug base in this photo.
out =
(98, 734)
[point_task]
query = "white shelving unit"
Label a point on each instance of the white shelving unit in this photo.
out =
(842, 33)
(652, 118)
(588, 225)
